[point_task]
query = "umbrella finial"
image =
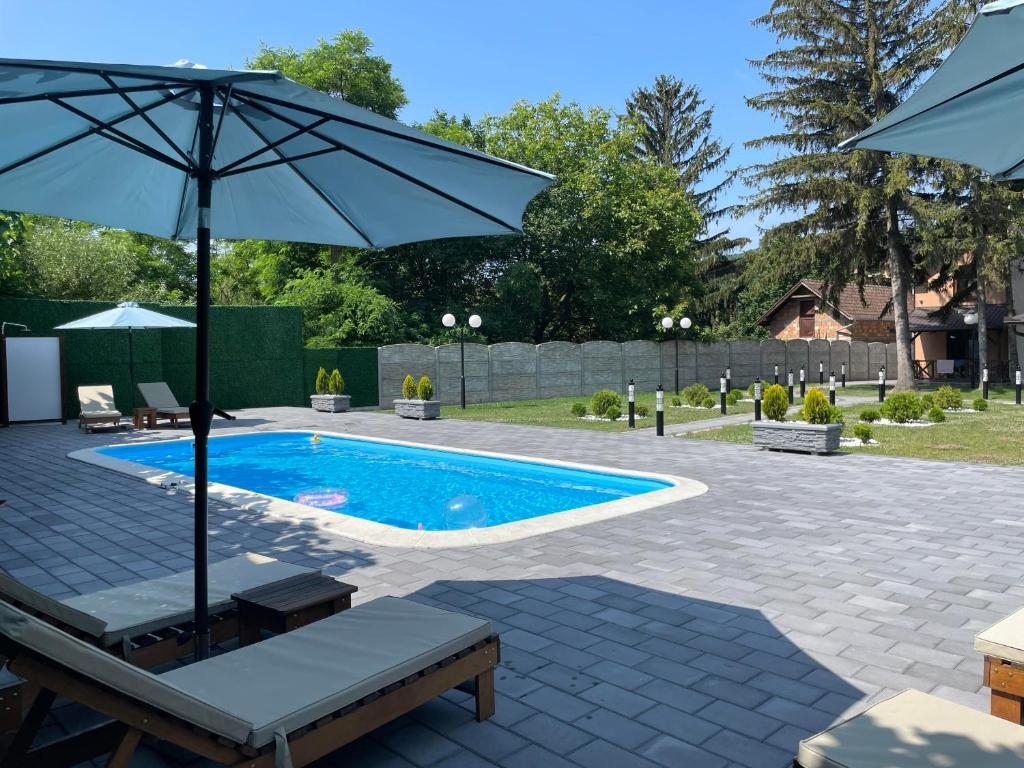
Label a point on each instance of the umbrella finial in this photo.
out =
(127, 305)
(186, 64)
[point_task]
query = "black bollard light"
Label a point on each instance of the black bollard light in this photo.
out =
(832, 388)
(821, 372)
(790, 386)
(659, 408)
(757, 398)
(1017, 387)
(728, 380)
(722, 384)
(844, 375)
(776, 374)
(984, 382)
(881, 384)
(803, 383)
(632, 405)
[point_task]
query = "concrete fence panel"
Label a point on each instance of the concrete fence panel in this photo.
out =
(797, 357)
(478, 380)
(745, 361)
(712, 360)
(559, 369)
(839, 355)
(818, 353)
(892, 361)
(859, 368)
(396, 361)
(687, 363)
(773, 352)
(602, 366)
(876, 358)
(513, 371)
(641, 361)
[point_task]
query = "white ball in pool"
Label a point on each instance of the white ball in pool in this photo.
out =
(466, 511)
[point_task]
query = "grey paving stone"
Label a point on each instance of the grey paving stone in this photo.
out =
(673, 753)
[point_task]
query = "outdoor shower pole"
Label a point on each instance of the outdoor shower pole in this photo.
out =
(462, 363)
(676, 390)
(201, 410)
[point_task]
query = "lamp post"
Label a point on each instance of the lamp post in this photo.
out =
(728, 380)
(881, 384)
(684, 324)
(790, 381)
(844, 375)
(984, 382)
(659, 408)
(776, 373)
(1016, 387)
(722, 384)
(632, 404)
(803, 383)
(474, 322)
(821, 372)
(970, 320)
(832, 388)
(757, 398)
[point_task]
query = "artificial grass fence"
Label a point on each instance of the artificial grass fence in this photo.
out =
(257, 357)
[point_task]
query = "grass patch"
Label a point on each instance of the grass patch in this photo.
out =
(555, 412)
(995, 436)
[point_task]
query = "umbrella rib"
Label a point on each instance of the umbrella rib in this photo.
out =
(225, 103)
(243, 75)
(79, 94)
(184, 186)
(390, 169)
(282, 160)
(224, 171)
(309, 182)
(149, 121)
(395, 134)
(86, 134)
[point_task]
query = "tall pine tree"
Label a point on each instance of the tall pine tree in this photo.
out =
(840, 66)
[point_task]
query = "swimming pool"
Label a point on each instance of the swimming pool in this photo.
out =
(412, 490)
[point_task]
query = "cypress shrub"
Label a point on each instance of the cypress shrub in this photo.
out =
(425, 389)
(409, 387)
(775, 403)
(321, 381)
(336, 384)
(816, 408)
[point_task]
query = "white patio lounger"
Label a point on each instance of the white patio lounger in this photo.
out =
(97, 406)
(159, 397)
(916, 730)
(282, 703)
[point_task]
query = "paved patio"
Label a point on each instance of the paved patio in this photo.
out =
(716, 631)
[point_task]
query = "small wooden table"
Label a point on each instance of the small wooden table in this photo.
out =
(290, 605)
(145, 416)
(1006, 679)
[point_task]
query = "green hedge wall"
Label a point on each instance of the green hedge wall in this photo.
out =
(358, 366)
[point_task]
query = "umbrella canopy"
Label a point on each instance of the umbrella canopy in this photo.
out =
(127, 314)
(971, 109)
(172, 151)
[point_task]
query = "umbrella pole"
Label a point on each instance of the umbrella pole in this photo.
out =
(201, 410)
(131, 372)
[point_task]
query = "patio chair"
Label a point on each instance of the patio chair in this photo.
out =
(281, 703)
(97, 406)
(159, 397)
(915, 730)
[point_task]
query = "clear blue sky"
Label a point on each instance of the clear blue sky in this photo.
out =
(473, 57)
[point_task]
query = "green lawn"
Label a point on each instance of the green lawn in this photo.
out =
(555, 413)
(995, 436)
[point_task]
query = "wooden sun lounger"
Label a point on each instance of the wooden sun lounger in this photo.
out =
(159, 397)
(97, 406)
(286, 701)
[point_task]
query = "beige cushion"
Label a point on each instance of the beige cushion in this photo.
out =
(916, 730)
(158, 395)
(96, 400)
(100, 414)
(1004, 639)
(13, 590)
(292, 680)
(146, 606)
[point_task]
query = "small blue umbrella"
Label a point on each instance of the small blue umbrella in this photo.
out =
(972, 108)
(186, 151)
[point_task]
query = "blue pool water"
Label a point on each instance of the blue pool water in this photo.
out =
(397, 485)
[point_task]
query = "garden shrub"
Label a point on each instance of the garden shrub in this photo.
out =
(336, 384)
(869, 415)
(936, 414)
(928, 401)
(863, 432)
(948, 398)
(425, 389)
(708, 402)
(981, 404)
(750, 391)
(579, 410)
(836, 415)
(408, 387)
(816, 408)
(601, 400)
(613, 413)
(902, 407)
(733, 397)
(676, 402)
(775, 403)
(695, 394)
(321, 381)
(642, 411)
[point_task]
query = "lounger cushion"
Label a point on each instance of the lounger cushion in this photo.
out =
(146, 606)
(97, 399)
(178, 410)
(916, 730)
(292, 680)
(1004, 639)
(100, 414)
(55, 609)
(158, 395)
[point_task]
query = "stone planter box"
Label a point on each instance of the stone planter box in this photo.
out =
(418, 409)
(330, 403)
(804, 438)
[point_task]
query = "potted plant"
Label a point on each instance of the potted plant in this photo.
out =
(417, 401)
(330, 394)
(818, 431)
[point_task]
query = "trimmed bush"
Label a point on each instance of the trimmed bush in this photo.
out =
(775, 403)
(936, 414)
(708, 402)
(409, 387)
(948, 398)
(642, 411)
(902, 407)
(676, 402)
(863, 432)
(695, 394)
(336, 384)
(425, 389)
(601, 400)
(836, 415)
(981, 404)
(579, 410)
(321, 381)
(816, 409)
(613, 413)
(870, 415)
(750, 391)
(928, 401)
(733, 397)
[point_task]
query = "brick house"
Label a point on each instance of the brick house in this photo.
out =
(804, 312)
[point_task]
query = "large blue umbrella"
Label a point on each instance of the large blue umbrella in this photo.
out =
(972, 108)
(177, 151)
